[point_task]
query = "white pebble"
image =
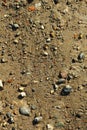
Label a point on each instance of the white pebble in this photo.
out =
(1, 84)
(23, 94)
(49, 127)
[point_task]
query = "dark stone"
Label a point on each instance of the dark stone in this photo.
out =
(66, 90)
(56, 1)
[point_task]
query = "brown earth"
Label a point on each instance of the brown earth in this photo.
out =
(50, 39)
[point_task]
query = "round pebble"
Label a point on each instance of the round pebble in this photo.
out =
(66, 90)
(24, 110)
(37, 120)
(61, 81)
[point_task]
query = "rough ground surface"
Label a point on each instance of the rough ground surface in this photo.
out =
(49, 39)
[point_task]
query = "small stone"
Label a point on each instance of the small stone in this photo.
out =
(52, 91)
(38, 5)
(63, 74)
(21, 89)
(85, 67)
(24, 110)
(15, 41)
(22, 95)
(42, 27)
(74, 60)
(15, 26)
(68, 2)
(37, 120)
(61, 81)
(17, 34)
(3, 60)
(1, 84)
(52, 34)
(33, 107)
(78, 115)
(49, 127)
(48, 39)
(11, 120)
(56, 1)
(45, 53)
(80, 36)
(8, 114)
(80, 87)
(55, 86)
(81, 56)
(66, 90)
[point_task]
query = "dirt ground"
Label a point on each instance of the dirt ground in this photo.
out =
(43, 48)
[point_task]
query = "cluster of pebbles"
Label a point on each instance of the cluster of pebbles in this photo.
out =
(43, 62)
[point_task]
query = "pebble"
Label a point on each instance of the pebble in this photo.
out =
(80, 36)
(81, 56)
(33, 107)
(66, 90)
(52, 34)
(79, 115)
(63, 74)
(80, 87)
(42, 27)
(37, 120)
(21, 89)
(24, 110)
(61, 81)
(56, 1)
(15, 26)
(52, 91)
(22, 94)
(48, 39)
(11, 120)
(49, 127)
(45, 53)
(55, 86)
(1, 84)
(15, 41)
(38, 5)
(3, 60)
(17, 34)
(8, 114)
(10, 117)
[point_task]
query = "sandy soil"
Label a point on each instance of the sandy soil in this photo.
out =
(42, 43)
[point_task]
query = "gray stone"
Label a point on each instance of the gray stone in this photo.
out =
(66, 90)
(37, 120)
(61, 81)
(24, 110)
(81, 56)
